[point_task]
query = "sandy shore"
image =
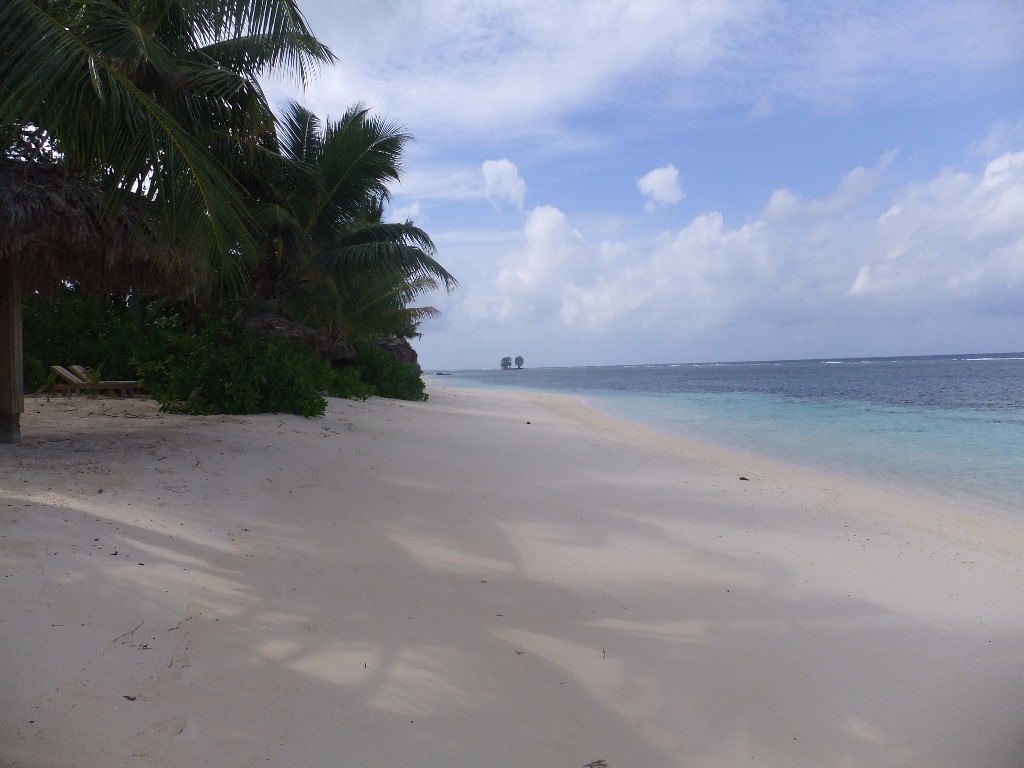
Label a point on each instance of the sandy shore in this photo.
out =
(484, 580)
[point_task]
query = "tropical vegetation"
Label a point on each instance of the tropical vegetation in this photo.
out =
(326, 255)
(143, 165)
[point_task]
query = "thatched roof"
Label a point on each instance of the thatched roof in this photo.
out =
(56, 227)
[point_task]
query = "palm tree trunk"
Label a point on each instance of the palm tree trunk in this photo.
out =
(12, 380)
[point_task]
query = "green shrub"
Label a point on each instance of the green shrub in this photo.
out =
(389, 377)
(224, 368)
(38, 377)
(346, 382)
(113, 333)
(229, 369)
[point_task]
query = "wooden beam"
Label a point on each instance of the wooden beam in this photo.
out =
(12, 380)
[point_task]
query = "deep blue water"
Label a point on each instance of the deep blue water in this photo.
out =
(951, 425)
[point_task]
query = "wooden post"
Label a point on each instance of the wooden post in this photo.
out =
(12, 380)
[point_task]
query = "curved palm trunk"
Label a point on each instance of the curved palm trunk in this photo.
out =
(12, 380)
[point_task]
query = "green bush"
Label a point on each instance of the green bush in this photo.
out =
(389, 377)
(229, 369)
(346, 382)
(111, 333)
(224, 368)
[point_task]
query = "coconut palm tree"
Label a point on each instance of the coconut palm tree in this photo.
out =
(373, 308)
(145, 103)
(327, 257)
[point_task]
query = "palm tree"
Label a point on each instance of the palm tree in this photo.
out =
(327, 257)
(367, 307)
(145, 103)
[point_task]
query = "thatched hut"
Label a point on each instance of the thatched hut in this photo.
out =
(57, 228)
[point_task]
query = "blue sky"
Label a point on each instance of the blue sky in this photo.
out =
(627, 182)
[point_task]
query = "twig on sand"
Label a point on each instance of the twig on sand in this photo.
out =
(597, 764)
(132, 632)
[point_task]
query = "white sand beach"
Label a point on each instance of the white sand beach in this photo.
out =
(484, 580)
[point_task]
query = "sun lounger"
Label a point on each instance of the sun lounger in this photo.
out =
(77, 380)
(70, 379)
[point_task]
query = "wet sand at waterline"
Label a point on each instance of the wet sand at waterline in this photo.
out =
(484, 579)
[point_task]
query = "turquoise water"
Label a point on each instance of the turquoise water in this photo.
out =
(950, 426)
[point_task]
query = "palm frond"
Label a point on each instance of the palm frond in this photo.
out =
(287, 45)
(361, 156)
(380, 258)
(399, 233)
(255, 54)
(370, 307)
(381, 248)
(301, 138)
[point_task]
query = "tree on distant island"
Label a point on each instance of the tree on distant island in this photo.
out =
(506, 363)
(519, 361)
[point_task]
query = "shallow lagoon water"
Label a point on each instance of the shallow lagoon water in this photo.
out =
(949, 425)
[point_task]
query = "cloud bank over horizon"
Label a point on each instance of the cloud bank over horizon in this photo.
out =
(950, 246)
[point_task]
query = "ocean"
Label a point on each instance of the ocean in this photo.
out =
(951, 426)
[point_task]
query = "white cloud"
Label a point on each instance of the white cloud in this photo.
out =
(406, 213)
(855, 187)
(958, 237)
(1004, 136)
(505, 64)
(534, 279)
(660, 187)
(503, 182)
(450, 183)
(838, 54)
(783, 204)
(518, 67)
(763, 107)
